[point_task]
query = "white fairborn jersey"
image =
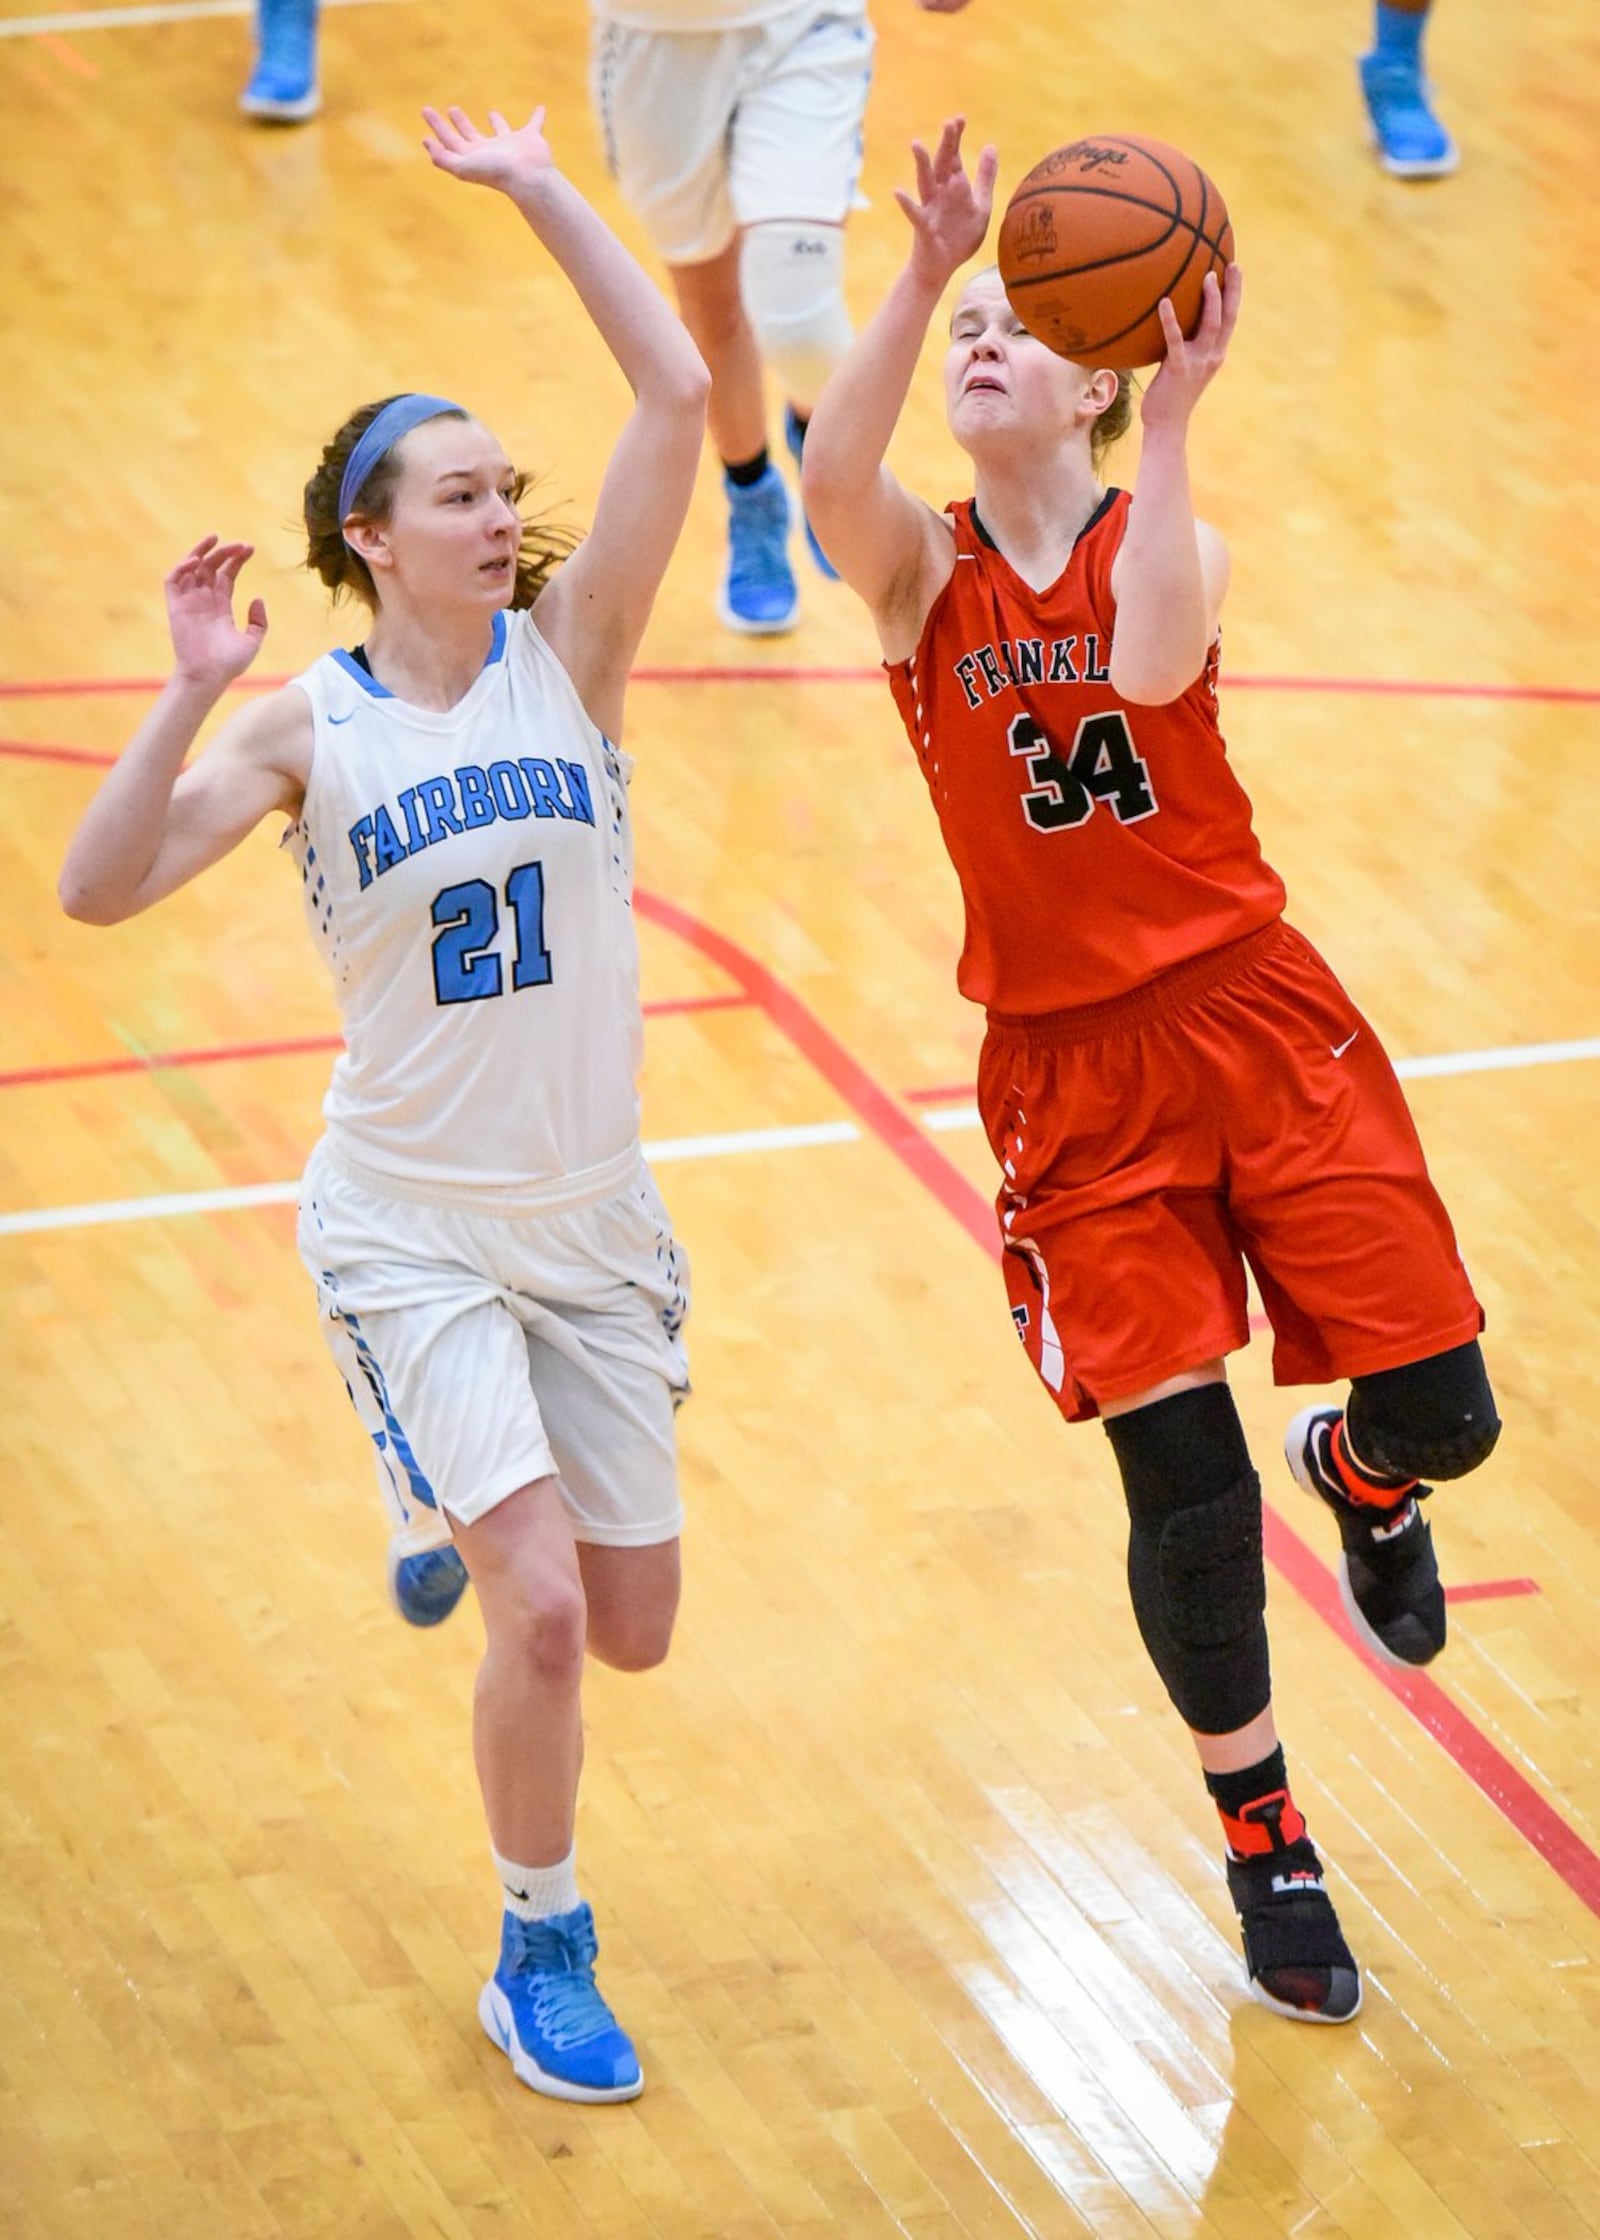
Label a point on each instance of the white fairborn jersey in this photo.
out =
(468, 877)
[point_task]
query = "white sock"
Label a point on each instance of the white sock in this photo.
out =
(534, 1893)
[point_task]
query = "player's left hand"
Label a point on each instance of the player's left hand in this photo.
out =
(505, 156)
(950, 212)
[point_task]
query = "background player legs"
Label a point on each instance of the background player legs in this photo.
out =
(760, 597)
(1411, 142)
(713, 310)
(283, 86)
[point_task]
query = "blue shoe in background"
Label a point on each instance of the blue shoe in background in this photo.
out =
(283, 86)
(543, 2011)
(425, 1584)
(1412, 143)
(759, 596)
(795, 436)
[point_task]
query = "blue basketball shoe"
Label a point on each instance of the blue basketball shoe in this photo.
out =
(543, 2011)
(759, 595)
(1412, 143)
(283, 86)
(425, 1584)
(794, 435)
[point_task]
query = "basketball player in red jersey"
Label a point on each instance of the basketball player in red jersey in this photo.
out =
(1172, 1081)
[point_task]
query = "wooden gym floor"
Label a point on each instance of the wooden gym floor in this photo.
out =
(906, 1884)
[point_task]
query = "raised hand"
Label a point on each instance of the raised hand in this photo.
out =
(211, 648)
(950, 212)
(1191, 362)
(506, 157)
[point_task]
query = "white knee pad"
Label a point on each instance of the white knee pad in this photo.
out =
(791, 277)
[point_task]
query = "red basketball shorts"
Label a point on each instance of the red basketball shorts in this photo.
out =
(1238, 1111)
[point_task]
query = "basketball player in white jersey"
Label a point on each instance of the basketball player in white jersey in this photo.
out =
(733, 128)
(496, 1273)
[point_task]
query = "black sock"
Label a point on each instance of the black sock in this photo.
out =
(749, 471)
(1257, 1812)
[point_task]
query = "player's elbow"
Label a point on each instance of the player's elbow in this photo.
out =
(829, 501)
(84, 902)
(1149, 684)
(686, 385)
(1153, 669)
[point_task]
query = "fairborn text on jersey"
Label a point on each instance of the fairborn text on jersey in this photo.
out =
(1020, 661)
(461, 800)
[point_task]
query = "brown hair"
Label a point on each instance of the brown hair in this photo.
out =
(545, 543)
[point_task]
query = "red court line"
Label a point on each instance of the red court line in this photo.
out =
(1406, 688)
(1484, 1764)
(30, 750)
(957, 1093)
(232, 1053)
(1492, 1590)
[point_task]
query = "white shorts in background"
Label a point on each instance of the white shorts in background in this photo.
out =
(484, 1350)
(708, 131)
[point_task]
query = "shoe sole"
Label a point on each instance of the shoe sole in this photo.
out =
(1294, 1446)
(776, 629)
(1264, 1998)
(266, 111)
(1400, 167)
(494, 2012)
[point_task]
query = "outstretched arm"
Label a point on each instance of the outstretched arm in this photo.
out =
(594, 611)
(889, 546)
(152, 825)
(1171, 575)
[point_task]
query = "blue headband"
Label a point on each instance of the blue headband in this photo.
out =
(380, 435)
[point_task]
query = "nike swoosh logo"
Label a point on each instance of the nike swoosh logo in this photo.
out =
(1342, 1047)
(350, 718)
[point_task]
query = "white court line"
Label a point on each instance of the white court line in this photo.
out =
(1497, 1061)
(938, 1118)
(118, 19)
(285, 1193)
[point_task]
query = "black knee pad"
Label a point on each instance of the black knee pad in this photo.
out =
(1432, 1419)
(1195, 1568)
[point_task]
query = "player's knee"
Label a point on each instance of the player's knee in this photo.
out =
(1433, 1419)
(632, 1640)
(1195, 1566)
(537, 1614)
(792, 281)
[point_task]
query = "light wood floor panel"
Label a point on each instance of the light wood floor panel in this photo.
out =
(905, 1881)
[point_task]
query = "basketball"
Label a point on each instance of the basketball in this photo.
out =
(1098, 233)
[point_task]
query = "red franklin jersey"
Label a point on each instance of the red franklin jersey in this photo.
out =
(1097, 842)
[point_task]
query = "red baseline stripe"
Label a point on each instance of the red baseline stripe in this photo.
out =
(1491, 1590)
(1485, 1766)
(230, 1053)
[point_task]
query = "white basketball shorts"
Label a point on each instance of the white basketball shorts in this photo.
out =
(485, 1350)
(708, 131)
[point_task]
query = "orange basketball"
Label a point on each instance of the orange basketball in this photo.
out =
(1098, 233)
